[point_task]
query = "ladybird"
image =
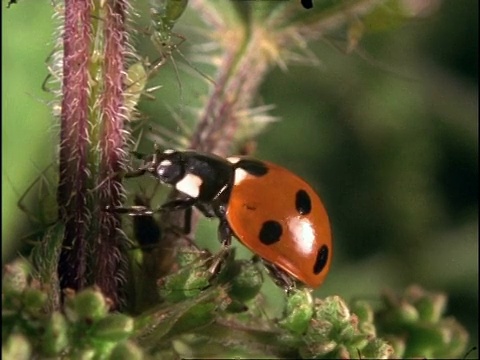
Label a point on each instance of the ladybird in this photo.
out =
(272, 211)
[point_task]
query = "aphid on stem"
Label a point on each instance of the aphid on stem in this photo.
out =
(164, 15)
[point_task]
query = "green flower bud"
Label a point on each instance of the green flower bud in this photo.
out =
(431, 308)
(299, 311)
(55, 338)
(378, 349)
(248, 283)
(15, 277)
(406, 313)
(126, 350)
(16, 347)
(363, 310)
(189, 281)
(84, 354)
(114, 327)
(398, 344)
(34, 299)
(88, 304)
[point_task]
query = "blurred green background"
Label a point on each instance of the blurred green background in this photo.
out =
(389, 139)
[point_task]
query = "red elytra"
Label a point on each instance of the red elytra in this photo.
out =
(279, 217)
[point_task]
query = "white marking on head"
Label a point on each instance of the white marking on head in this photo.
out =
(240, 175)
(190, 185)
(165, 163)
(169, 151)
(233, 159)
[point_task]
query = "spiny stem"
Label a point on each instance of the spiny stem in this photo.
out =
(107, 252)
(92, 139)
(73, 170)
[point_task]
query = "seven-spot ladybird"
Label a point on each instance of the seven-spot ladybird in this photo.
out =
(273, 212)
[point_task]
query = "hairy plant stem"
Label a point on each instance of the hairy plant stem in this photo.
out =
(74, 143)
(91, 144)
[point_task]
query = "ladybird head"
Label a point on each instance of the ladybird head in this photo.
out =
(197, 175)
(168, 166)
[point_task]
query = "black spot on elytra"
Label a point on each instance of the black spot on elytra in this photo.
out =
(321, 260)
(303, 204)
(270, 232)
(253, 167)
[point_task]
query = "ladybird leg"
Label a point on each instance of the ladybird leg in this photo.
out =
(280, 277)
(225, 233)
(187, 221)
(219, 260)
(140, 210)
